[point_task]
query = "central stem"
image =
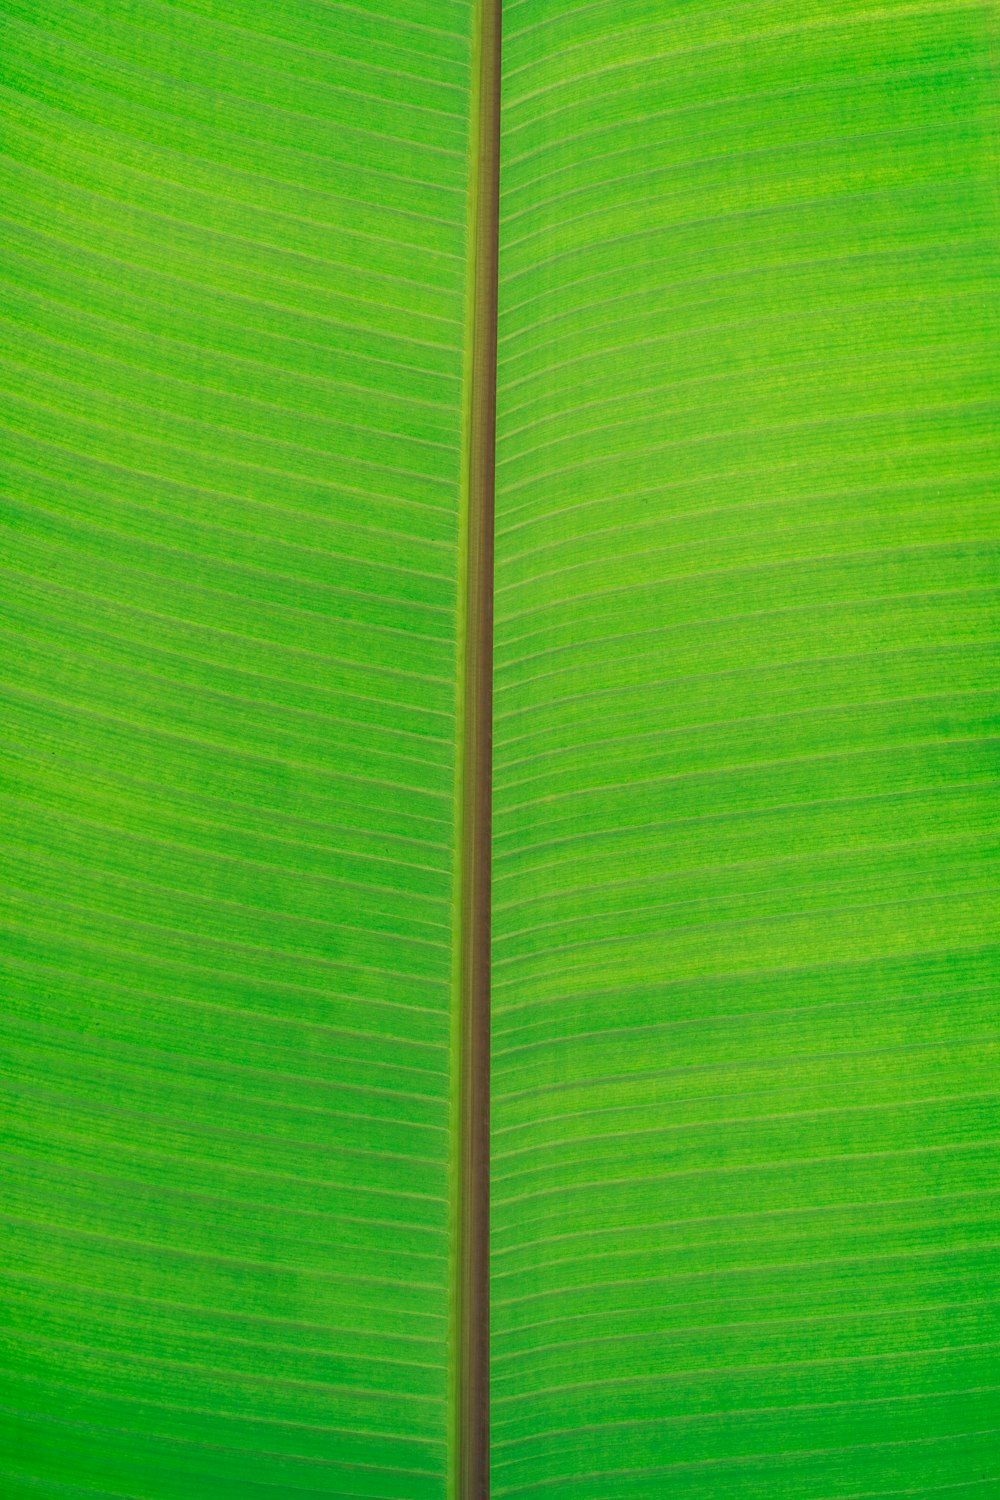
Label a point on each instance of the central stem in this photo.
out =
(470, 1473)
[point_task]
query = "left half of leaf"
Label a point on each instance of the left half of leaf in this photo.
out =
(232, 359)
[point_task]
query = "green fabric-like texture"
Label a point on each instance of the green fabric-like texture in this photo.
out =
(744, 1171)
(744, 988)
(234, 271)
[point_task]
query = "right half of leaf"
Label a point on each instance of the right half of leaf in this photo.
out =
(744, 991)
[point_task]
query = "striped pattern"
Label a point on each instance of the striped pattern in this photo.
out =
(744, 1117)
(233, 268)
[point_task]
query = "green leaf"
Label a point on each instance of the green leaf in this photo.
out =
(744, 843)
